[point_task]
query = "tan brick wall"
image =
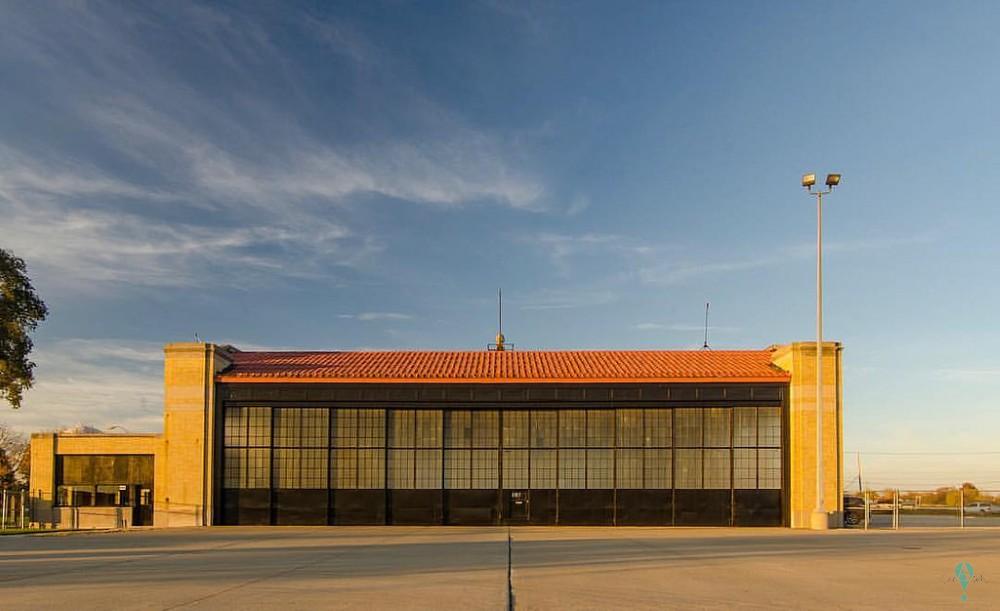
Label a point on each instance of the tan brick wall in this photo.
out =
(184, 479)
(97, 443)
(800, 360)
(43, 477)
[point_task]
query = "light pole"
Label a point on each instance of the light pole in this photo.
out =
(820, 519)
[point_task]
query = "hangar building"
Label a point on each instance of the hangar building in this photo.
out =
(711, 437)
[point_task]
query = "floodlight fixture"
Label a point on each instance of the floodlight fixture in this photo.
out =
(808, 180)
(832, 180)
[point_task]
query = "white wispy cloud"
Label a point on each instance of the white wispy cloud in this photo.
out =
(562, 249)
(457, 165)
(79, 249)
(370, 316)
(656, 326)
(971, 374)
(676, 272)
(578, 205)
(564, 299)
(97, 382)
(182, 180)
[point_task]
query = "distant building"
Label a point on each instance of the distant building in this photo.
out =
(492, 437)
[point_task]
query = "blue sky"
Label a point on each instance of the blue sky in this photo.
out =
(366, 175)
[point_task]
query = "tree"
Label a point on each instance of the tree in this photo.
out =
(14, 458)
(971, 492)
(20, 312)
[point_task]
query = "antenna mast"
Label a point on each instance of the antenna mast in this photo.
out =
(705, 345)
(501, 344)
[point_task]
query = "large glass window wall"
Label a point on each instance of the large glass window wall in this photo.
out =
(342, 449)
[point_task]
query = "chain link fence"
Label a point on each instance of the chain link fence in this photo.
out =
(894, 508)
(14, 510)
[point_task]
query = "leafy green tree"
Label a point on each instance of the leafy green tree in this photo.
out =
(20, 312)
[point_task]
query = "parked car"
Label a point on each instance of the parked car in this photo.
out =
(854, 510)
(979, 508)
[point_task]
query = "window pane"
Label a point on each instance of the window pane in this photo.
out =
(401, 422)
(286, 468)
(515, 429)
(601, 428)
(745, 468)
(717, 427)
(745, 427)
(717, 469)
(259, 426)
(371, 469)
(371, 428)
(235, 474)
(600, 469)
(429, 430)
(315, 427)
(106, 495)
(314, 469)
(688, 427)
(299, 469)
(657, 469)
(428, 467)
(485, 429)
(629, 466)
(75, 496)
(287, 425)
(258, 468)
(543, 469)
(345, 430)
(104, 468)
(688, 468)
(485, 469)
(235, 427)
(459, 429)
(77, 469)
(769, 468)
(543, 429)
(572, 429)
(401, 469)
(457, 469)
(572, 469)
(344, 469)
(629, 428)
(515, 467)
(769, 426)
(659, 428)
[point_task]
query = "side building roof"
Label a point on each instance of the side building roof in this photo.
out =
(442, 367)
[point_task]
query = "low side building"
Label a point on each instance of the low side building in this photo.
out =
(419, 437)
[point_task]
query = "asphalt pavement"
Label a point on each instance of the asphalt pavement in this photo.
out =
(467, 568)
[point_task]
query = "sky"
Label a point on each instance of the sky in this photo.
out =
(366, 175)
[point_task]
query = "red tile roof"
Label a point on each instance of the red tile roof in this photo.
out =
(593, 366)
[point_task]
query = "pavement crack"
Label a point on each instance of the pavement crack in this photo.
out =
(510, 581)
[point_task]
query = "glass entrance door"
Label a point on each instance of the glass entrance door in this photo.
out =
(518, 506)
(142, 509)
